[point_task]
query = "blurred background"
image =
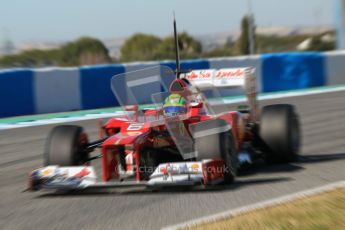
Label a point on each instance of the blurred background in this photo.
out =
(57, 59)
(37, 33)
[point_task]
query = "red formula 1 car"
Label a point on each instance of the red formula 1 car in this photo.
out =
(149, 147)
(185, 135)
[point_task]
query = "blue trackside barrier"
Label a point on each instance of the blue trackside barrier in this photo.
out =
(188, 64)
(95, 85)
(16, 92)
(36, 91)
(292, 71)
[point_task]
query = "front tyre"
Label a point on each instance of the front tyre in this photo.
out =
(148, 163)
(229, 156)
(65, 146)
(213, 139)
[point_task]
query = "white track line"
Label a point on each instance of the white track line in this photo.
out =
(263, 204)
(227, 101)
(59, 120)
(289, 94)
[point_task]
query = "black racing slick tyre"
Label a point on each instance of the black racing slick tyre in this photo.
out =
(229, 156)
(65, 146)
(148, 163)
(280, 133)
(213, 140)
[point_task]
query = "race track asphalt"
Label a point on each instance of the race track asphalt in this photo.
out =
(322, 161)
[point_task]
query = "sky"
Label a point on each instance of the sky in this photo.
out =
(63, 20)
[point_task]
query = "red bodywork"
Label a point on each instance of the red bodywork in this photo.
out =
(129, 136)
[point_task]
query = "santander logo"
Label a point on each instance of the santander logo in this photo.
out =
(84, 172)
(199, 75)
(233, 73)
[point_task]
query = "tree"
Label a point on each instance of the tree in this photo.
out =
(225, 50)
(143, 47)
(243, 46)
(274, 43)
(189, 47)
(139, 47)
(31, 58)
(84, 51)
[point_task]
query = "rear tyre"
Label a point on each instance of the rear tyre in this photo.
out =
(280, 133)
(65, 146)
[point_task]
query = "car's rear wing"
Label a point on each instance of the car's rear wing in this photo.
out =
(228, 78)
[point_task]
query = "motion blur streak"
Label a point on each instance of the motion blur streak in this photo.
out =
(322, 162)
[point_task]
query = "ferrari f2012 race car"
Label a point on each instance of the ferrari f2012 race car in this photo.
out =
(157, 146)
(184, 135)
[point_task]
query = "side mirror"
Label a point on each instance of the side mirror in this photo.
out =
(196, 105)
(134, 108)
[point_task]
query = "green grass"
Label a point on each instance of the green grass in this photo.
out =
(319, 212)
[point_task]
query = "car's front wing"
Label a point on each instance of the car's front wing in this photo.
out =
(165, 175)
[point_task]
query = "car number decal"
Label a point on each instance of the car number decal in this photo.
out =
(134, 127)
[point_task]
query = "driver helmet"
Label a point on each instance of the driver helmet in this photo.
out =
(175, 104)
